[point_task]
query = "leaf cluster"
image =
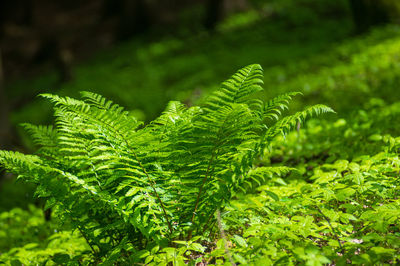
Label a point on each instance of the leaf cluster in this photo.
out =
(348, 213)
(126, 187)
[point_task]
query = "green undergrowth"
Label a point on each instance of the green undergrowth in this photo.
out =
(341, 203)
(129, 188)
(364, 132)
(347, 212)
(352, 72)
(326, 193)
(324, 70)
(28, 239)
(145, 73)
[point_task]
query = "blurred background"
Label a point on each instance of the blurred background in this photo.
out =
(143, 53)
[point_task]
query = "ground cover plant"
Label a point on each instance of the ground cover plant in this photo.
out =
(128, 188)
(341, 212)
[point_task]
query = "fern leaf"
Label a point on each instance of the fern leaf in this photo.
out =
(287, 123)
(274, 107)
(260, 174)
(238, 88)
(45, 137)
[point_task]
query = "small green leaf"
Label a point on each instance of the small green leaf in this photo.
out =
(197, 247)
(344, 194)
(272, 195)
(240, 241)
(382, 250)
(148, 259)
(31, 245)
(60, 258)
(132, 191)
(375, 137)
(155, 249)
(16, 263)
(181, 242)
(240, 259)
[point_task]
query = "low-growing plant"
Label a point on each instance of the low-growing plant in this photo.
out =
(366, 131)
(127, 187)
(348, 214)
(27, 238)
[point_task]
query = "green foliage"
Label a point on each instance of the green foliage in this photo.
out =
(348, 75)
(340, 206)
(126, 187)
(14, 195)
(27, 238)
(132, 75)
(62, 248)
(366, 131)
(348, 213)
(20, 227)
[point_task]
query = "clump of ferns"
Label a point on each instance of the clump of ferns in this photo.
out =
(120, 182)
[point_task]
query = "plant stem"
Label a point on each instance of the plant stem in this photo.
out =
(223, 236)
(87, 240)
(330, 225)
(200, 191)
(152, 184)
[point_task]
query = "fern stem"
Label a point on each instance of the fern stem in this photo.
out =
(152, 184)
(209, 224)
(204, 180)
(200, 191)
(87, 240)
(68, 212)
(208, 221)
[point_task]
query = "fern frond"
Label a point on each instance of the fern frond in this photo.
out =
(274, 107)
(227, 121)
(100, 102)
(260, 174)
(90, 130)
(172, 113)
(19, 163)
(115, 122)
(45, 137)
(112, 177)
(287, 123)
(238, 88)
(58, 100)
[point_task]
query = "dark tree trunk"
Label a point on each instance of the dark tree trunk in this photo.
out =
(132, 15)
(368, 13)
(17, 11)
(52, 50)
(214, 10)
(5, 128)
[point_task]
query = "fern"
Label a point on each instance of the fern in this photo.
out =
(117, 180)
